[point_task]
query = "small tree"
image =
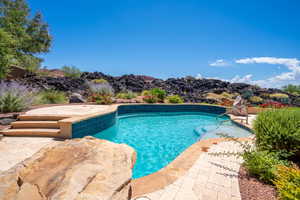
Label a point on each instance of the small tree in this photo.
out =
(7, 55)
(22, 36)
(292, 89)
(71, 71)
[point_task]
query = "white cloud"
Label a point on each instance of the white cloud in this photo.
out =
(199, 76)
(244, 79)
(292, 64)
(219, 63)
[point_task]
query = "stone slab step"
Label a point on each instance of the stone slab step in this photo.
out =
(35, 124)
(31, 132)
(41, 117)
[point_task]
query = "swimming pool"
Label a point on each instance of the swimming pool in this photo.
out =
(159, 137)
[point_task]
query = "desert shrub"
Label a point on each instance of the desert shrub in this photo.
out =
(262, 164)
(101, 93)
(43, 73)
(227, 95)
(279, 96)
(174, 99)
(99, 81)
(126, 95)
(71, 71)
(101, 99)
(265, 95)
(154, 95)
(278, 131)
(101, 88)
(159, 93)
(283, 98)
(15, 97)
(150, 99)
(247, 94)
(146, 93)
(256, 99)
(51, 97)
(288, 182)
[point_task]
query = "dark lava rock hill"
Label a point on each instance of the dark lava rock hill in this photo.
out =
(191, 89)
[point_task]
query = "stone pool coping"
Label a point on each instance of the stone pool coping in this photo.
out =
(66, 124)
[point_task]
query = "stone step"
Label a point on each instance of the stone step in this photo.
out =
(31, 132)
(35, 124)
(41, 117)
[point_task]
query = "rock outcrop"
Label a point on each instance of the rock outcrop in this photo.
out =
(191, 89)
(78, 169)
(76, 98)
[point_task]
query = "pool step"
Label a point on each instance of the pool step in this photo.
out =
(40, 117)
(35, 124)
(31, 132)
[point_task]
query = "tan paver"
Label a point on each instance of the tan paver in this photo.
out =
(210, 178)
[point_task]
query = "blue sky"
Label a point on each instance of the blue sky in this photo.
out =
(254, 41)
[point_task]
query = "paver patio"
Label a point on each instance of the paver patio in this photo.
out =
(210, 178)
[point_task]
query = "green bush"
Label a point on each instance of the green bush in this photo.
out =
(99, 81)
(51, 97)
(288, 183)
(71, 71)
(262, 164)
(256, 100)
(160, 94)
(15, 97)
(278, 131)
(174, 99)
(126, 95)
(150, 99)
(154, 95)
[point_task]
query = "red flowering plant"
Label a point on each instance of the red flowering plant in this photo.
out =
(273, 104)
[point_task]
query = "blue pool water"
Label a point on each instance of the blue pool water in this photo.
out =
(159, 138)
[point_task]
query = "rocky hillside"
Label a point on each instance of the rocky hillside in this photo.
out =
(191, 89)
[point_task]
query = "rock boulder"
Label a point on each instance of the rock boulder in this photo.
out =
(76, 98)
(78, 169)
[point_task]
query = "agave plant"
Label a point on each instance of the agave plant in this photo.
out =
(15, 97)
